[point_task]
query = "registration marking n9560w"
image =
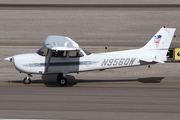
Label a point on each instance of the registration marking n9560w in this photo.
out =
(118, 62)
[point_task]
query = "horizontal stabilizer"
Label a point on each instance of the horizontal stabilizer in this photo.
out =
(152, 60)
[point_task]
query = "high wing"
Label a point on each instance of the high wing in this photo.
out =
(60, 43)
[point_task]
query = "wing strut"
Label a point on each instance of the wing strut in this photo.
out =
(48, 61)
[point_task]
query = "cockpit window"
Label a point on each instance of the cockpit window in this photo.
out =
(87, 52)
(59, 53)
(42, 51)
(74, 54)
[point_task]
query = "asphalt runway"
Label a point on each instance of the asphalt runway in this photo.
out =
(126, 93)
(89, 2)
(121, 26)
(100, 98)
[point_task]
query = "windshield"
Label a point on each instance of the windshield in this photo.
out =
(87, 52)
(43, 51)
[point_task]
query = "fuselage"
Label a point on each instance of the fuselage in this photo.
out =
(33, 63)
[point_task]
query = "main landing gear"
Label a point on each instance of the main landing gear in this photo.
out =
(27, 79)
(61, 78)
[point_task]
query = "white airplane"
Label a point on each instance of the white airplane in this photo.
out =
(61, 56)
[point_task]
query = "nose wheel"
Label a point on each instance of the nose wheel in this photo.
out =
(27, 79)
(61, 79)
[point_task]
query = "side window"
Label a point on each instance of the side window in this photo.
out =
(59, 53)
(74, 54)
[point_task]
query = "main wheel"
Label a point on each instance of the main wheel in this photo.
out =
(61, 80)
(27, 80)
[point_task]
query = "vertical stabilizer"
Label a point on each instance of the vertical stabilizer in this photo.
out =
(159, 44)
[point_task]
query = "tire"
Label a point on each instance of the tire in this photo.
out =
(27, 81)
(62, 81)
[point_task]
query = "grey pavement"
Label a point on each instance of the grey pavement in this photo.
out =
(123, 98)
(124, 93)
(86, 26)
(90, 2)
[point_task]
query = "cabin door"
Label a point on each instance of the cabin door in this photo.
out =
(58, 62)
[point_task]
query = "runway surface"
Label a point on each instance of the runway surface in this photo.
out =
(126, 26)
(89, 2)
(104, 98)
(126, 93)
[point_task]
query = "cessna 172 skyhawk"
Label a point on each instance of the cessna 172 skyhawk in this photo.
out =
(61, 56)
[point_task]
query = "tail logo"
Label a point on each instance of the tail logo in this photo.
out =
(157, 39)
